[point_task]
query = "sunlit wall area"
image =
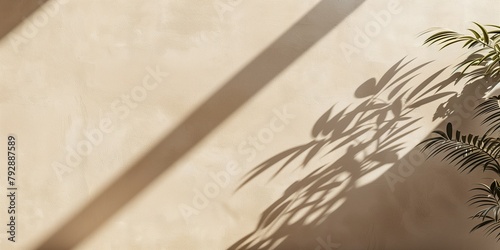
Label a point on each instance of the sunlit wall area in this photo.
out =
(235, 124)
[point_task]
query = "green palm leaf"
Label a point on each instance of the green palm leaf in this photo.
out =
(485, 40)
(491, 110)
(488, 199)
(468, 152)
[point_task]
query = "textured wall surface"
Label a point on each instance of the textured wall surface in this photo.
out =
(233, 124)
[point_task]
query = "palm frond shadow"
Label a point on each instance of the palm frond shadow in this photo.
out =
(469, 153)
(490, 109)
(477, 83)
(359, 140)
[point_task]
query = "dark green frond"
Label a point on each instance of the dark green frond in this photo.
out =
(490, 109)
(468, 152)
(484, 38)
(488, 199)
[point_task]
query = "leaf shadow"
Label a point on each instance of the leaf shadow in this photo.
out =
(359, 140)
(475, 89)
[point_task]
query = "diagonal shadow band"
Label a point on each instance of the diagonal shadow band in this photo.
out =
(14, 12)
(300, 37)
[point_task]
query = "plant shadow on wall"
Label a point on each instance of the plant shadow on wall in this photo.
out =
(470, 152)
(347, 148)
(481, 69)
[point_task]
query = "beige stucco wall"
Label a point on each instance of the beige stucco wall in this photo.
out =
(69, 68)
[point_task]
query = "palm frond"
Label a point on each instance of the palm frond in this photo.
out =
(491, 110)
(468, 152)
(484, 39)
(488, 199)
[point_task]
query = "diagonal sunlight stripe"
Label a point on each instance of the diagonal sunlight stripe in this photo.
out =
(238, 90)
(14, 12)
